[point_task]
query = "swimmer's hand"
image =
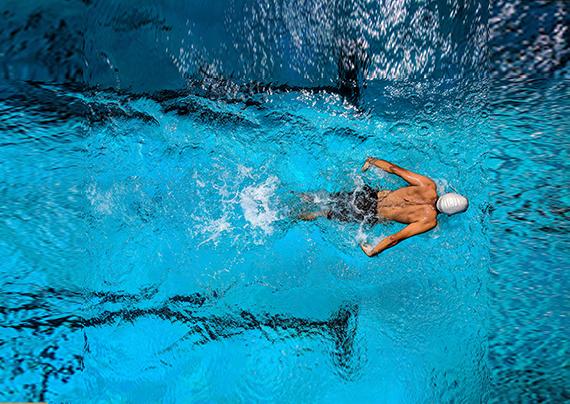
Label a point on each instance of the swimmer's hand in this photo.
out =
(368, 250)
(367, 163)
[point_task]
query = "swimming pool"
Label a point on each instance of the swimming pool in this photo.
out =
(151, 251)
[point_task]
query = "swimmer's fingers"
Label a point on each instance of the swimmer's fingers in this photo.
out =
(366, 166)
(366, 249)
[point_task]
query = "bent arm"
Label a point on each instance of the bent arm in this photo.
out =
(408, 176)
(407, 232)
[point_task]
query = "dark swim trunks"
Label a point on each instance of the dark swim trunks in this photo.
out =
(357, 206)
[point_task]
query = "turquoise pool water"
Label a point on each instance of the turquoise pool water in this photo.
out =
(150, 162)
(173, 250)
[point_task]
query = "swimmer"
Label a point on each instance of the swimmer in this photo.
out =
(416, 205)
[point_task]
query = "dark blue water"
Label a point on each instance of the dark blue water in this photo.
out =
(149, 156)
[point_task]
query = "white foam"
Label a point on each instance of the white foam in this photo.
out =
(101, 201)
(362, 237)
(197, 179)
(214, 228)
(258, 209)
(441, 185)
(245, 172)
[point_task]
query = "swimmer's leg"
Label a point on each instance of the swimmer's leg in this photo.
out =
(313, 215)
(306, 196)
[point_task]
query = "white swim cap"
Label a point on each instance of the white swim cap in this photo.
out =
(452, 203)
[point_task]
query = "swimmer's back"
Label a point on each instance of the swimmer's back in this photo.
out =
(408, 204)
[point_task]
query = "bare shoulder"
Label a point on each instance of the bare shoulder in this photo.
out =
(425, 192)
(429, 219)
(430, 186)
(426, 182)
(428, 192)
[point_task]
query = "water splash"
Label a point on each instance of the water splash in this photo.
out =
(260, 205)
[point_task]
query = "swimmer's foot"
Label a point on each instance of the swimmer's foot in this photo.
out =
(308, 216)
(307, 197)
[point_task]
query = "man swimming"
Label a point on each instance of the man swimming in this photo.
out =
(416, 205)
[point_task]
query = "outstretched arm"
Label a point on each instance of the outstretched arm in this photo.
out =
(408, 176)
(390, 241)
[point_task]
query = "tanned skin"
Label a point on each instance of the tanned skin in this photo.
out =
(413, 205)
